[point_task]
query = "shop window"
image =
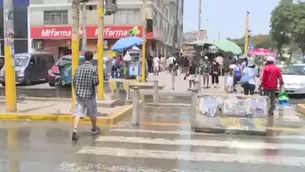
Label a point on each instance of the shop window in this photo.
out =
(128, 17)
(37, 44)
(56, 17)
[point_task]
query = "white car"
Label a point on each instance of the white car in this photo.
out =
(294, 78)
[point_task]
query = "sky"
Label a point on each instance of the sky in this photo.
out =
(227, 17)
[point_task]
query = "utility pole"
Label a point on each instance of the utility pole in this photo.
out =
(75, 44)
(246, 35)
(9, 51)
(100, 49)
(84, 26)
(199, 19)
(144, 25)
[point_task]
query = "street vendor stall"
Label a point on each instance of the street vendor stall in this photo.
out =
(131, 67)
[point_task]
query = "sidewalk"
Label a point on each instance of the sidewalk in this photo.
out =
(51, 110)
(182, 85)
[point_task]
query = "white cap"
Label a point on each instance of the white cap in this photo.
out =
(251, 61)
(270, 59)
(206, 57)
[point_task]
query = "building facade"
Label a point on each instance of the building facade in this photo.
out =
(20, 26)
(50, 24)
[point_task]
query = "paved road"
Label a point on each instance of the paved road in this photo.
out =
(163, 143)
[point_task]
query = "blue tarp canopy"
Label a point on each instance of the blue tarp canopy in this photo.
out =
(126, 43)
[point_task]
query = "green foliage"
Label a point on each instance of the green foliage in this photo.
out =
(260, 41)
(287, 24)
(280, 23)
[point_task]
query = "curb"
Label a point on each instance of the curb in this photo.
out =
(111, 103)
(301, 109)
(102, 121)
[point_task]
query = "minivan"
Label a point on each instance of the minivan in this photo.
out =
(30, 67)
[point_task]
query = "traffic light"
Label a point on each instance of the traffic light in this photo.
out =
(249, 33)
(110, 7)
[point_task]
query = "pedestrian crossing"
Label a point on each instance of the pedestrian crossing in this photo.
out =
(136, 150)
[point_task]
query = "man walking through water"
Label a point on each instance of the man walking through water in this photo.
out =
(270, 76)
(85, 82)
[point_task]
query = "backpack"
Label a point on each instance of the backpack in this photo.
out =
(237, 71)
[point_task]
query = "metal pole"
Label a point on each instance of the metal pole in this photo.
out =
(84, 26)
(144, 42)
(199, 19)
(101, 49)
(136, 106)
(156, 92)
(173, 80)
(199, 78)
(75, 44)
(9, 51)
(194, 104)
(246, 35)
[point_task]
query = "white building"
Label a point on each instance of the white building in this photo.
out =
(50, 24)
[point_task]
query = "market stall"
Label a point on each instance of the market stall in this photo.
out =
(129, 49)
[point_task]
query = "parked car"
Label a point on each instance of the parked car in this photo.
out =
(54, 72)
(30, 67)
(294, 78)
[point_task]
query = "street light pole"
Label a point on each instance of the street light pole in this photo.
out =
(100, 49)
(84, 26)
(9, 51)
(246, 35)
(144, 42)
(75, 44)
(199, 20)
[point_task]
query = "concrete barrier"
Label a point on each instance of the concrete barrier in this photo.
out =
(229, 113)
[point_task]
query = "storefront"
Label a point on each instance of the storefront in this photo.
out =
(58, 39)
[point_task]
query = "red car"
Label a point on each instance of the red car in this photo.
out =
(54, 71)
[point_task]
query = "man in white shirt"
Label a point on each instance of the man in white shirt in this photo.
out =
(171, 61)
(219, 60)
(156, 63)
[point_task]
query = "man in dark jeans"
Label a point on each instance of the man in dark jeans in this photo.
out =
(270, 76)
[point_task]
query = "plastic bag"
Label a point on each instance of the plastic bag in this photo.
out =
(283, 99)
(245, 79)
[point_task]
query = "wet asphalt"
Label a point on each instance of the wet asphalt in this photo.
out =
(30, 146)
(35, 146)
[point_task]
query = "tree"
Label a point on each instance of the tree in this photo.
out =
(298, 26)
(259, 41)
(280, 23)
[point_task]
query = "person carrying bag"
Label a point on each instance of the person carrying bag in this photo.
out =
(247, 80)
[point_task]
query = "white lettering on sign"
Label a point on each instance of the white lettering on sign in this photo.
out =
(108, 32)
(55, 33)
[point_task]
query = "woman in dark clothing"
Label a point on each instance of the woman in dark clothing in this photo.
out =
(192, 74)
(215, 71)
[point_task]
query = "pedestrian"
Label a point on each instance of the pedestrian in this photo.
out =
(219, 60)
(230, 82)
(150, 63)
(163, 63)
(85, 82)
(171, 63)
(237, 72)
(215, 72)
(270, 76)
(250, 72)
(156, 63)
(205, 70)
(192, 74)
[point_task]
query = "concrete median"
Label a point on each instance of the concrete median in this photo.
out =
(236, 114)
